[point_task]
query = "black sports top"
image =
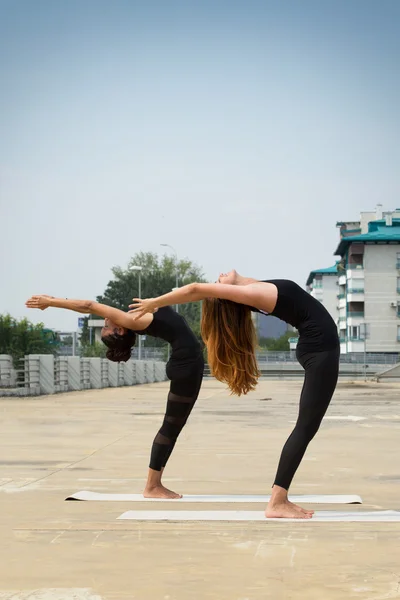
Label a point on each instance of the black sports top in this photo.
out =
(171, 327)
(317, 329)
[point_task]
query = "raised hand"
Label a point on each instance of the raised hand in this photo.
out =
(42, 302)
(142, 306)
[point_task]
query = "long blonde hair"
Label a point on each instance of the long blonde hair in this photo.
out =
(228, 332)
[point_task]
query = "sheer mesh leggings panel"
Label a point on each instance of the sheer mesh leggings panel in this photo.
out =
(178, 410)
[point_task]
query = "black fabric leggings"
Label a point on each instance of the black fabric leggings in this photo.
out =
(321, 374)
(186, 378)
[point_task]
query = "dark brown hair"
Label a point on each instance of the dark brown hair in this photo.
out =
(119, 346)
(229, 334)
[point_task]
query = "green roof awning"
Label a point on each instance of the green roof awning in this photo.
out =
(378, 232)
(328, 271)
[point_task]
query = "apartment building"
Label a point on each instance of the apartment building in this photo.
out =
(369, 284)
(362, 291)
(322, 284)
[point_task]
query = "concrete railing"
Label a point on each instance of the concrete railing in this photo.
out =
(44, 374)
(8, 375)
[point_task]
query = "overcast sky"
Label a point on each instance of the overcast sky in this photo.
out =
(239, 131)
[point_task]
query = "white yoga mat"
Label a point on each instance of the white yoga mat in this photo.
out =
(306, 499)
(384, 516)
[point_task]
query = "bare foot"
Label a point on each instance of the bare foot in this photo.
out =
(284, 509)
(159, 491)
(304, 510)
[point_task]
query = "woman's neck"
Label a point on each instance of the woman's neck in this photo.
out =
(245, 280)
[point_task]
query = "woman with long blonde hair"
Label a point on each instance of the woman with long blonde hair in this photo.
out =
(229, 335)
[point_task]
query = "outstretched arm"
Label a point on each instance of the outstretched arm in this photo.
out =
(119, 317)
(260, 295)
(44, 301)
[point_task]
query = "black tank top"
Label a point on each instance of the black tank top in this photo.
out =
(168, 325)
(317, 329)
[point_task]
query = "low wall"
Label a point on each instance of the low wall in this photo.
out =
(293, 370)
(8, 375)
(44, 374)
(391, 374)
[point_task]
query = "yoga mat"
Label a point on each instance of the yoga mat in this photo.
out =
(306, 499)
(384, 516)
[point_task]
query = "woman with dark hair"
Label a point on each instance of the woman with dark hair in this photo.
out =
(229, 335)
(184, 368)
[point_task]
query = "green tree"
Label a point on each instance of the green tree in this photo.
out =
(84, 337)
(280, 344)
(94, 350)
(19, 338)
(158, 276)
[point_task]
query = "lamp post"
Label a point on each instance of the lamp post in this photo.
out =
(364, 334)
(139, 271)
(176, 272)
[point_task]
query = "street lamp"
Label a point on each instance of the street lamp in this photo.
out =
(139, 271)
(364, 334)
(176, 273)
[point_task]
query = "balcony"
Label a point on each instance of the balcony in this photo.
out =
(355, 294)
(354, 273)
(342, 280)
(340, 296)
(355, 318)
(355, 345)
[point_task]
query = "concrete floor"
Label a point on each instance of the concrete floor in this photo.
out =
(52, 446)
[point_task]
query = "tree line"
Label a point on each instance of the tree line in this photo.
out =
(158, 276)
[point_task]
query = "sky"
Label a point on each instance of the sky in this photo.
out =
(238, 131)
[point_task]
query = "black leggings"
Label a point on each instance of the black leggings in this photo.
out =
(321, 374)
(186, 377)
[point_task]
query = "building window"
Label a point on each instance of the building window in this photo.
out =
(354, 333)
(398, 260)
(358, 264)
(398, 285)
